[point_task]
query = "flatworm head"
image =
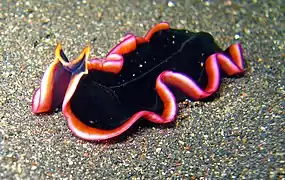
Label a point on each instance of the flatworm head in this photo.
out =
(144, 77)
(56, 79)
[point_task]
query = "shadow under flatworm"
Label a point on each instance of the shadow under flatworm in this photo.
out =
(106, 100)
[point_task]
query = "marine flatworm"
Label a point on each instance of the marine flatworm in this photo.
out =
(140, 78)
